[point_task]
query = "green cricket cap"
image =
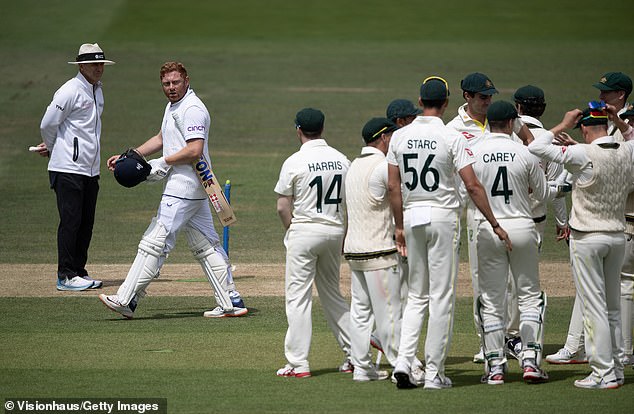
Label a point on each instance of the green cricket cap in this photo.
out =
(434, 88)
(373, 129)
(401, 108)
(478, 83)
(310, 120)
(529, 94)
(501, 111)
(615, 81)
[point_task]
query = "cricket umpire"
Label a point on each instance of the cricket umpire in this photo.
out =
(71, 134)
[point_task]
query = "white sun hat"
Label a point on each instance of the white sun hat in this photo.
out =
(91, 53)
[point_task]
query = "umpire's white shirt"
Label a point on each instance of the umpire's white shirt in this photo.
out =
(429, 156)
(316, 170)
(182, 181)
(71, 127)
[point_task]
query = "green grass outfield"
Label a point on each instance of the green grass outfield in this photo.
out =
(211, 366)
(255, 63)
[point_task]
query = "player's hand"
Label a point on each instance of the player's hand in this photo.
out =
(112, 161)
(503, 235)
(40, 149)
(563, 233)
(564, 139)
(160, 169)
(571, 118)
(399, 235)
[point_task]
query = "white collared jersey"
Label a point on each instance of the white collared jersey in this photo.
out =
(469, 128)
(315, 176)
(508, 172)
(429, 156)
(182, 182)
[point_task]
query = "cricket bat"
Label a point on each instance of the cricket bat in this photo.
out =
(210, 183)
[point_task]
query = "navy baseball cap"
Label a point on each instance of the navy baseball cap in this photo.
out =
(373, 129)
(434, 88)
(310, 120)
(401, 108)
(478, 83)
(501, 111)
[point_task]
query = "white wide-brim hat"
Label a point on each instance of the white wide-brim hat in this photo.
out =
(89, 53)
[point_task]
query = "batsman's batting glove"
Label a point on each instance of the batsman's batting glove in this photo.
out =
(160, 169)
(517, 125)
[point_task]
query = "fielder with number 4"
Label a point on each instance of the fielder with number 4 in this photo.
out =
(184, 204)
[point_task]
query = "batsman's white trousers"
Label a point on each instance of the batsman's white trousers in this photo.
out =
(597, 258)
(494, 261)
(376, 297)
(313, 253)
(432, 251)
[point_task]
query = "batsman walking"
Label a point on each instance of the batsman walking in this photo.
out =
(184, 204)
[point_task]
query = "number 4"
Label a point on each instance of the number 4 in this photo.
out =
(506, 191)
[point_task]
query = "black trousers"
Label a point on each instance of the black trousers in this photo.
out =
(76, 204)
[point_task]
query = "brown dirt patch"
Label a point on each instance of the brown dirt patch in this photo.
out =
(38, 280)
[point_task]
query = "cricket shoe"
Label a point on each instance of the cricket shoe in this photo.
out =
(362, 375)
(563, 356)
(402, 376)
(112, 303)
(96, 284)
(513, 347)
(74, 284)
(495, 375)
(417, 372)
(289, 371)
(347, 366)
(479, 357)
(437, 383)
(220, 312)
(532, 373)
(592, 382)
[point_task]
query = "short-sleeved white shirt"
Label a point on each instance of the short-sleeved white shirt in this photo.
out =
(429, 156)
(472, 130)
(183, 181)
(507, 170)
(314, 176)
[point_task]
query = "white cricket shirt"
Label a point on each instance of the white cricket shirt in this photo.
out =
(182, 181)
(429, 156)
(315, 177)
(507, 170)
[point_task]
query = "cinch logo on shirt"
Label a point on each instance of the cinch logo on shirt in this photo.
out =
(196, 128)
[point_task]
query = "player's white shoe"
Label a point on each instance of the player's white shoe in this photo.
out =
(289, 371)
(361, 375)
(532, 373)
(592, 382)
(220, 312)
(495, 375)
(347, 366)
(402, 375)
(74, 284)
(479, 357)
(112, 303)
(437, 383)
(563, 356)
(417, 372)
(96, 284)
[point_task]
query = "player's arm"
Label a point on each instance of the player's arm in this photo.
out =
(285, 209)
(396, 203)
(479, 198)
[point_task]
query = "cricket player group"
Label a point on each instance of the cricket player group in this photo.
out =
(396, 213)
